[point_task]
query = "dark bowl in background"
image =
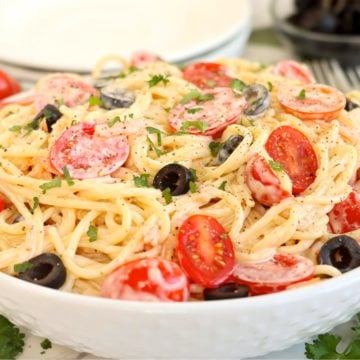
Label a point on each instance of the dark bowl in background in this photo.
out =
(310, 44)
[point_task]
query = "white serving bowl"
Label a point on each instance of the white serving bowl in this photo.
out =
(213, 329)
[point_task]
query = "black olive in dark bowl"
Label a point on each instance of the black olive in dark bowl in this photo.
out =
(350, 105)
(176, 177)
(258, 99)
(226, 291)
(47, 270)
(342, 252)
(228, 147)
(114, 97)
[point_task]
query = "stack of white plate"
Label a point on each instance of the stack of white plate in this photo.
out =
(68, 35)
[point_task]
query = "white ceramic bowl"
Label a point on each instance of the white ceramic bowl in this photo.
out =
(214, 329)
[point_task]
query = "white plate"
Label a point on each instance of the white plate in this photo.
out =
(72, 35)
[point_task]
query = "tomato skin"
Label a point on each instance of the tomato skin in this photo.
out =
(292, 149)
(274, 274)
(320, 102)
(8, 85)
(207, 75)
(205, 251)
(87, 155)
(2, 204)
(150, 279)
(292, 70)
(345, 216)
(263, 183)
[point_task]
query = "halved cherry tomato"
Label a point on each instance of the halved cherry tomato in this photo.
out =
(207, 75)
(87, 155)
(263, 183)
(141, 58)
(205, 250)
(147, 280)
(292, 70)
(8, 85)
(292, 149)
(216, 114)
(64, 88)
(274, 274)
(345, 216)
(312, 101)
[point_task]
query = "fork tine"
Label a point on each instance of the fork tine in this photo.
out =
(341, 80)
(354, 76)
(316, 71)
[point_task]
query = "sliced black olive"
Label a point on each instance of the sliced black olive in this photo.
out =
(47, 270)
(342, 252)
(350, 105)
(228, 147)
(113, 97)
(50, 113)
(101, 82)
(174, 176)
(226, 291)
(258, 99)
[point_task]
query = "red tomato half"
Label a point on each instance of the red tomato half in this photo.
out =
(292, 149)
(345, 216)
(87, 155)
(207, 75)
(312, 101)
(8, 85)
(292, 70)
(147, 280)
(216, 114)
(205, 250)
(274, 274)
(65, 88)
(263, 183)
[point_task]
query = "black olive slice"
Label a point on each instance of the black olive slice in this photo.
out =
(226, 291)
(50, 113)
(174, 176)
(113, 97)
(228, 147)
(101, 82)
(350, 105)
(258, 99)
(47, 270)
(342, 252)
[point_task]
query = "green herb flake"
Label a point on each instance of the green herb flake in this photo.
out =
(92, 233)
(15, 128)
(46, 344)
(132, 69)
(11, 339)
(192, 186)
(56, 182)
(153, 130)
(192, 95)
(156, 79)
(23, 267)
(205, 97)
(35, 204)
(224, 236)
(157, 151)
(214, 147)
(166, 194)
(142, 180)
(222, 185)
(67, 176)
(194, 110)
(113, 121)
(270, 86)
(193, 173)
(302, 94)
(237, 85)
(200, 125)
(276, 166)
(95, 100)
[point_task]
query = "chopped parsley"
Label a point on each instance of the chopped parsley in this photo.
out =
(153, 130)
(197, 96)
(95, 100)
(46, 344)
(210, 83)
(67, 176)
(35, 204)
(11, 339)
(22, 267)
(214, 147)
(224, 236)
(193, 173)
(192, 186)
(194, 110)
(237, 85)
(113, 121)
(166, 194)
(156, 79)
(222, 185)
(92, 233)
(56, 182)
(132, 69)
(200, 125)
(15, 128)
(302, 94)
(276, 166)
(142, 180)
(156, 150)
(270, 86)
